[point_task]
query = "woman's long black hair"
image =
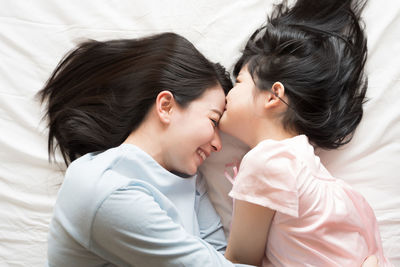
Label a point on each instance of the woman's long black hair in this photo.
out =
(317, 49)
(101, 91)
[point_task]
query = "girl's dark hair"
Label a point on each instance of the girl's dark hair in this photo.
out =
(317, 49)
(101, 91)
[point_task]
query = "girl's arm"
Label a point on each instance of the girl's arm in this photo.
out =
(249, 233)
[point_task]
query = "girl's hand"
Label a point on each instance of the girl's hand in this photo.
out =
(371, 261)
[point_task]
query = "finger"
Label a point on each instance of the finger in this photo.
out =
(371, 261)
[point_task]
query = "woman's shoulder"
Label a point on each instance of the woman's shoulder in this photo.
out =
(88, 182)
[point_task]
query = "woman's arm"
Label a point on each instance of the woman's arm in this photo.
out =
(130, 228)
(249, 233)
(210, 226)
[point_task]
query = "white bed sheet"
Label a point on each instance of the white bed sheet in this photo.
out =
(34, 35)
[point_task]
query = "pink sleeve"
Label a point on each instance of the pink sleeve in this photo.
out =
(267, 177)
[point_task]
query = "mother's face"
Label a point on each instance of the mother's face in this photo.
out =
(195, 133)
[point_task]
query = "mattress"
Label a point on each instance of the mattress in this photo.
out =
(34, 35)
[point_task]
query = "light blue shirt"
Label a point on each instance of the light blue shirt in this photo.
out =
(121, 208)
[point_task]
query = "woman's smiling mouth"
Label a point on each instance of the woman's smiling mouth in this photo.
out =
(202, 154)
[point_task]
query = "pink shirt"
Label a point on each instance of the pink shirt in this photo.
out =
(319, 220)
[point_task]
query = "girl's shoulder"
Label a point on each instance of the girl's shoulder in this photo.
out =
(280, 155)
(270, 152)
(268, 176)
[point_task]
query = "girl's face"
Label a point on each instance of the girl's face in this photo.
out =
(195, 133)
(240, 109)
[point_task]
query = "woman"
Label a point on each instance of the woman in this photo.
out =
(136, 118)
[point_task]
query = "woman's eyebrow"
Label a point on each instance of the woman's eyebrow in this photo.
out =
(217, 111)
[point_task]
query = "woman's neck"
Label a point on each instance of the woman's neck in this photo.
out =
(147, 139)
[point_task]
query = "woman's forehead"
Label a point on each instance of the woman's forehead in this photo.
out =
(213, 99)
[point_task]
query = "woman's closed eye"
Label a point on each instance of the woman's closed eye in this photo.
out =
(215, 116)
(214, 122)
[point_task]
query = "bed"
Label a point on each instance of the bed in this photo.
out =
(34, 35)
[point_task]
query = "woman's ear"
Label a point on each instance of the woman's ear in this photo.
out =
(274, 96)
(164, 104)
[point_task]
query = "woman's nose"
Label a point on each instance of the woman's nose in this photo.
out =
(216, 143)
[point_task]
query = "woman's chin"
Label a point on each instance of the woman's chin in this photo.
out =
(192, 170)
(185, 173)
(190, 174)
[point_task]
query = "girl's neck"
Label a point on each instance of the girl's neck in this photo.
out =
(272, 132)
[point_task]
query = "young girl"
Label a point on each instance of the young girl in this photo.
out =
(300, 84)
